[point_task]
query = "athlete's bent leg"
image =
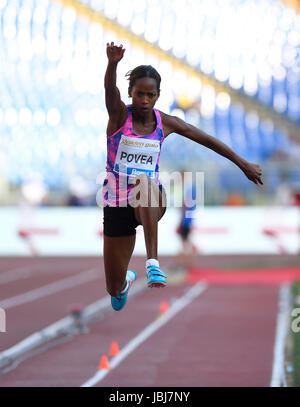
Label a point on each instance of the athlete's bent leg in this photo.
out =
(149, 212)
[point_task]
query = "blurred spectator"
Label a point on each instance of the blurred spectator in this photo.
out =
(295, 193)
(81, 192)
(4, 190)
(283, 195)
(186, 256)
(235, 199)
(33, 192)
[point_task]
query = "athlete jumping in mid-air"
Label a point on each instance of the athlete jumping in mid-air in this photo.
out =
(132, 192)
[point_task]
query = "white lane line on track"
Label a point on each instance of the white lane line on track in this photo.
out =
(15, 274)
(49, 289)
(55, 330)
(283, 318)
(22, 272)
(178, 305)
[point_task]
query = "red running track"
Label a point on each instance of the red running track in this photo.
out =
(225, 337)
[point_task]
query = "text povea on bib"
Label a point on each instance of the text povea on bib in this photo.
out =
(136, 156)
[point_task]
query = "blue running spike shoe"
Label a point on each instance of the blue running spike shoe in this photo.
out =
(156, 278)
(119, 302)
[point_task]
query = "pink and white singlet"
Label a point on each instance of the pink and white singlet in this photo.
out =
(128, 155)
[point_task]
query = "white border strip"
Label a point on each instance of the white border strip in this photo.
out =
(283, 318)
(178, 305)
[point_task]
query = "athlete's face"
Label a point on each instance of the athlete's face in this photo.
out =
(144, 95)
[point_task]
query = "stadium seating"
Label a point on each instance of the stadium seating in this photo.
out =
(53, 117)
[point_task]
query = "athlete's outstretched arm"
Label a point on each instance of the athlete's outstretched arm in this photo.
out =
(175, 125)
(114, 105)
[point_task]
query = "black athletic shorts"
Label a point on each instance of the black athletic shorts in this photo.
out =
(184, 231)
(120, 221)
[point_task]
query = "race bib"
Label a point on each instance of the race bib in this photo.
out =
(137, 156)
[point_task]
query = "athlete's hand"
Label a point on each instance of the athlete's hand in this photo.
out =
(114, 53)
(252, 172)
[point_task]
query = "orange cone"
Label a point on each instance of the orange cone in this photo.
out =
(104, 363)
(163, 307)
(114, 349)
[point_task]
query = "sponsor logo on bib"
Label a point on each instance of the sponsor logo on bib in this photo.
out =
(136, 156)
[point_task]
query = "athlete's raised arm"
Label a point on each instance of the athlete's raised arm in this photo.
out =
(173, 124)
(115, 107)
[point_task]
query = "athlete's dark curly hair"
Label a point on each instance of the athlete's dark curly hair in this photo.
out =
(143, 71)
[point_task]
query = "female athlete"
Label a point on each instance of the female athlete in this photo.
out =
(132, 192)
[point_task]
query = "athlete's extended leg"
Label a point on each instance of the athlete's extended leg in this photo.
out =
(117, 253)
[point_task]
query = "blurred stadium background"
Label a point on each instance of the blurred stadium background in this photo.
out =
(230, 67)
